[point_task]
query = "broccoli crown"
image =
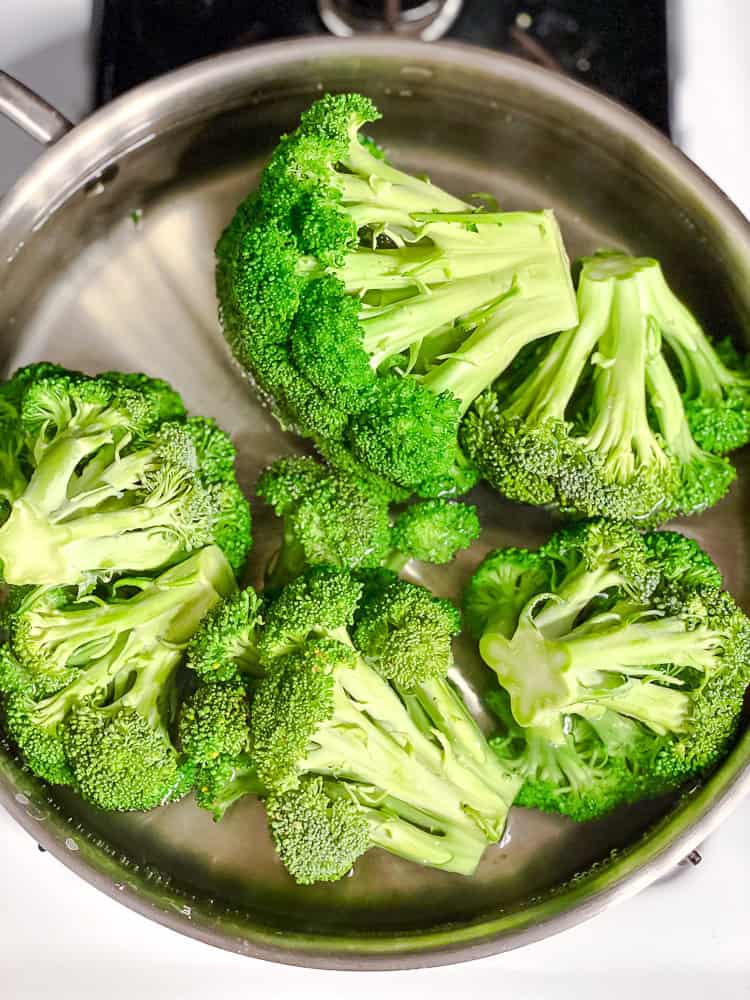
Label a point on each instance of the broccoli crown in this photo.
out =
(433, 531)
(214, 721)
(415, 765)
(640, 662)
(107, 731)
(318, 839)
(329, 519)
(42, 747)
(371, 307)
(292, 703)
(121, 761)
(405, 634)
(319, 603)
(113, 486)
(602, 419)
(226, 642)
(502, 585)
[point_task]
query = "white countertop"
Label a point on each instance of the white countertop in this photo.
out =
(684, 937)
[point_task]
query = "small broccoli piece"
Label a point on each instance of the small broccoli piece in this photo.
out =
(214, 722)
(226, 642)
(331, 519)
(108, 730)
(322, 710)
(328, 519)
(598, 423)
(112, 486)
(338, 277)
(322, 827)
(435, 530)
(224, 781)
(622, 665)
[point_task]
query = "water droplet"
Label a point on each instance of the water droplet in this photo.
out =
(71, 844)
(583, 64)
(524, 20)
(405, 92)
(23, 799)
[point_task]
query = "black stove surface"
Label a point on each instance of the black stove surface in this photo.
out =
(618, 46)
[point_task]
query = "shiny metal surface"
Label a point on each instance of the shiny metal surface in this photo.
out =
(86, 282)
(428, 20)
(30, 112)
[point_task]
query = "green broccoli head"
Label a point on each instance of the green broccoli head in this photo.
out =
(121, 761)
(640, 666)
(108, 730)
(320, 603)
(318, 839)
(341, 274)
(501, 587)
(604, 419)
(329, 519)
(41, 745)
(226, 642)
(405, 634)
(112, 486)
(435, 530)
(293, 701)
(214, 721)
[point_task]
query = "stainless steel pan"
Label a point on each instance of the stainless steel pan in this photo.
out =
(106, 261)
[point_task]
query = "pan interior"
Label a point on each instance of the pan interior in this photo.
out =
(140, 296)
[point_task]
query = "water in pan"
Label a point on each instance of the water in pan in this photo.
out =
(143, 298)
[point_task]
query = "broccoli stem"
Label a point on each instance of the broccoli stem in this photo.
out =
(621, 430)
(414, 834)
(445, 710)
(546, 678)
(396, 327)
(537, 305)
(670, 411)
(703, 371)
(422, 195)
(244, 781)
(375, 758)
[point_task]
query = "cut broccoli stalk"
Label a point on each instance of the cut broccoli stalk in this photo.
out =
(594, 420)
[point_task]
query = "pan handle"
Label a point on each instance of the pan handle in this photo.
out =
(30, 112)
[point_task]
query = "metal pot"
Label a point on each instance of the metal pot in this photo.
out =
(106, 251)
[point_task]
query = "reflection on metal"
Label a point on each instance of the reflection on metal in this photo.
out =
(428, 20)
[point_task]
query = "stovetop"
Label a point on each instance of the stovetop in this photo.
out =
(618, 46)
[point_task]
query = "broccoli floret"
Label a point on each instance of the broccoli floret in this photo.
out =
(214, 721)
(113, 487)
(596, 422)
(224, 781)
(405, 634)
(108, 731)
(622, 665)
(226, 642)
(321, 710)
(331, 519)
(322, 827)
(340, 276)
(435, 530)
